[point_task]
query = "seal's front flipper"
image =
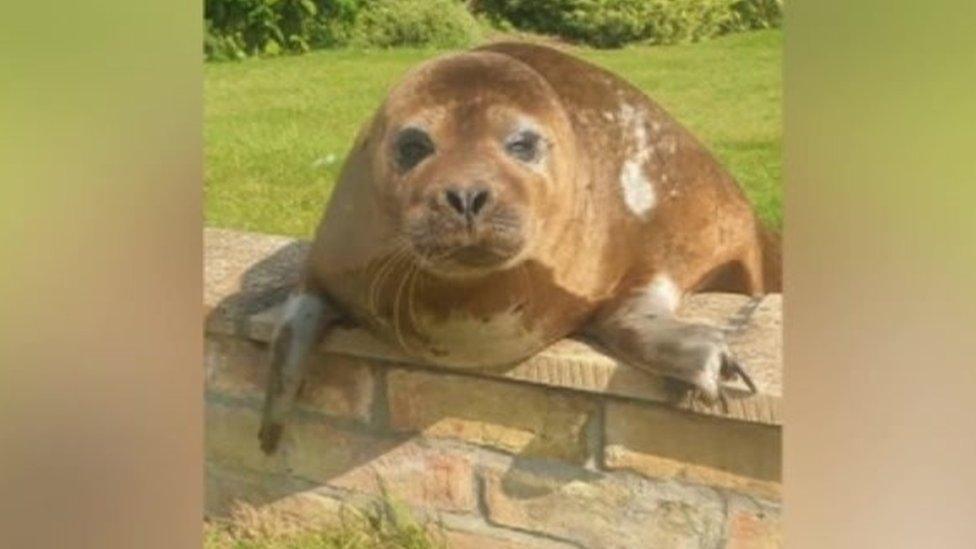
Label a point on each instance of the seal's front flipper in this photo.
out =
(695, 354)
(306, 319)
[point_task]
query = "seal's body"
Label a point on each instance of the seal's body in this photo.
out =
(507, 197)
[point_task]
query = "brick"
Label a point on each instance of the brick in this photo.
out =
(417, 475)
(610, 511)
(310, 450)
(424, 490)
(472, 531)
(232, 440)
(340, 386)
(319, 452)
(337, 385)
(465, 540)
(369, 464)
(511, 417)
(753, 525)
(227, 489)
(662, 443)
(471, 540)
(235, 367)
(224, 489)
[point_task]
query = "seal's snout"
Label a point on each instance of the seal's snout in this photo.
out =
(467, 203)
(466, 228)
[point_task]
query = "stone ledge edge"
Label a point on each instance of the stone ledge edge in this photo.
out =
(568, 365)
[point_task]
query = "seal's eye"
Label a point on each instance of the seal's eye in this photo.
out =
(412, 145)
(524, 145)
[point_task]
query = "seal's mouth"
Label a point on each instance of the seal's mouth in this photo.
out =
(466, 253)
(477, 256)
(454, 246)
(465, 259)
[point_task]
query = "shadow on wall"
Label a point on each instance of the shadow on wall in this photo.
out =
(344, 438)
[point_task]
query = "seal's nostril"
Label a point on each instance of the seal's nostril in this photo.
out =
(455, 200)
(467, 202)
(478, 200)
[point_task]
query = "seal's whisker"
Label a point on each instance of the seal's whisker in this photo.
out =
(411, 296)
(397, 328)
(401, 259)
(371, 296)
(386, 266)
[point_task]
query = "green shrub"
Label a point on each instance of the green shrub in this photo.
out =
(756, 14)
(439, 23)
(605, 23)
(235, 29)
(612, 23)
(239, 28)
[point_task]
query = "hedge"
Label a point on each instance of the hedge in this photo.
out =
(613, 23)
(236, 29)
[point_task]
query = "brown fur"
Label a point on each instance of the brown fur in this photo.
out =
(616, 214)
(585, 250)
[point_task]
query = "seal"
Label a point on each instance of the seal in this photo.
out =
(509, 196)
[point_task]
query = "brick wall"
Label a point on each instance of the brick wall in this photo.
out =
(568, 449)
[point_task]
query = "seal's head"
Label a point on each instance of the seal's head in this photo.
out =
(475, 157)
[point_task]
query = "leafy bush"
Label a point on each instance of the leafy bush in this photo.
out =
(389, 23)
(612, 23)
(239, 28)
(756, 14)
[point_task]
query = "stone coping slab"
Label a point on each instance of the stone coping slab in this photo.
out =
(248, 276)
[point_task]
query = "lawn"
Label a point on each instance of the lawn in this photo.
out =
(383, 524)
(276, 130)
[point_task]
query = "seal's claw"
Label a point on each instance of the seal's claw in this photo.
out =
(723, 400)
(731, 370)
(709, 388)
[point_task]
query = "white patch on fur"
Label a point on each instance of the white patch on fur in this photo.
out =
(471, 342)
(660, 297)
(638, 193)
(628, 115)
(638, 190)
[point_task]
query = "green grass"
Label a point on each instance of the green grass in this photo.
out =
(276, 130)
(382, 525)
